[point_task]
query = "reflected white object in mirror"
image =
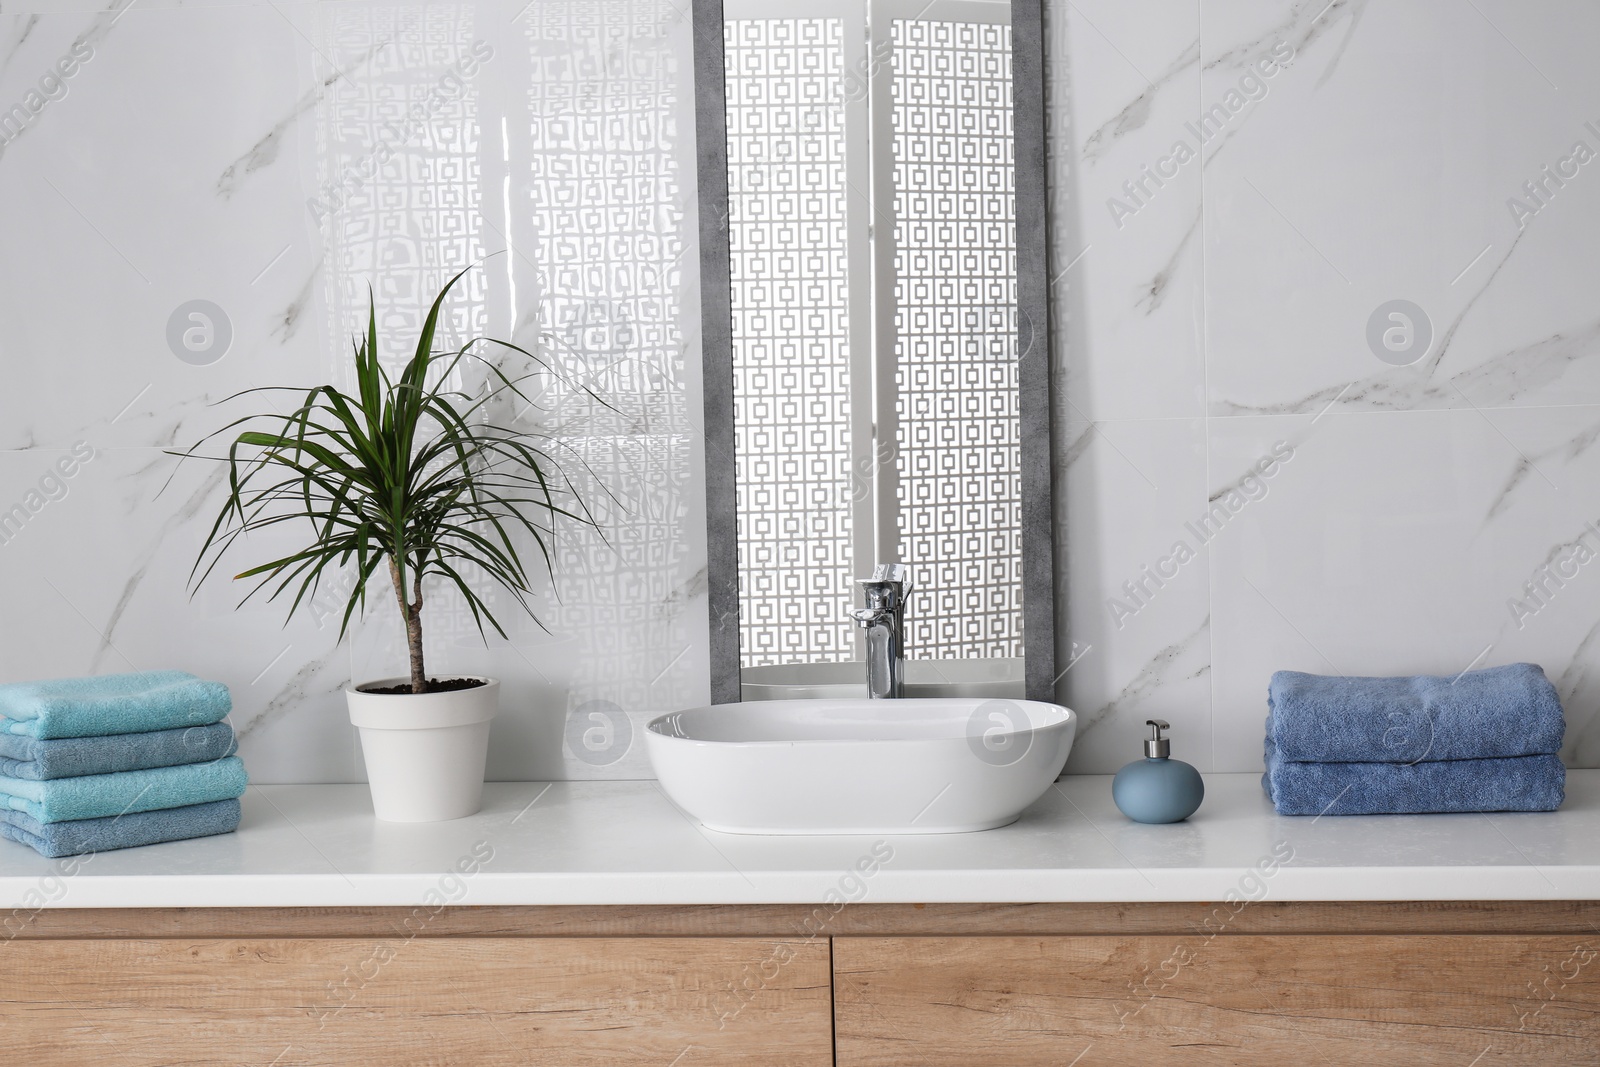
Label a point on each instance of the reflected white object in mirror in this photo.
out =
(995, 678)
(873, 253)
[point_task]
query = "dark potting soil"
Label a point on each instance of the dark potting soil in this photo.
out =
(435, 685)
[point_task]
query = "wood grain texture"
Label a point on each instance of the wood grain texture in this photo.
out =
(485, 1002)
(790, 920)
(1421, 1000)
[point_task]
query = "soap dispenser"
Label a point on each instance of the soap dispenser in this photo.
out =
(1158, 788)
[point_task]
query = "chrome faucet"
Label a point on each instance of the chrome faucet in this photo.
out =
(884, 620)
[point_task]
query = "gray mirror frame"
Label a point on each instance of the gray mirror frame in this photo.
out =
(1033, 344)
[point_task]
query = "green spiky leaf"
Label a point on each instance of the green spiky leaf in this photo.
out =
(408, 478)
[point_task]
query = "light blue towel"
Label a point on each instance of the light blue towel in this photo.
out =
(1516, 783)
(112, 704)
(1496, 712)
(97, 796)
(69, 757)
(84, 836)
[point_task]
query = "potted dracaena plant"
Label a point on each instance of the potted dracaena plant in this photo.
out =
(407, 482)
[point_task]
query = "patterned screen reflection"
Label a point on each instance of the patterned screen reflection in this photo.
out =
(412, 221)
(791, 350)
(955, 288)
(945, 388)
(558, 164)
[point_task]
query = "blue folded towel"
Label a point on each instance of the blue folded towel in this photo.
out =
(1516, 783)
(82, 836)
(95, 796)
(112, 704)
(1496, 712)
(22, 756)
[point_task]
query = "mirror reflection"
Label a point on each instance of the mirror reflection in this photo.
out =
(872, 232)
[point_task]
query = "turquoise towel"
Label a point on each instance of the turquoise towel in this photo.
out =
(112, 704)
(86, 836)
(22, 756)
(98, 796)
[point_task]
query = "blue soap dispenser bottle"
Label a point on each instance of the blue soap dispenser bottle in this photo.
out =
(1158, 788)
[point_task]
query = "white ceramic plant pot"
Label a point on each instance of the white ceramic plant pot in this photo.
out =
(425, 752)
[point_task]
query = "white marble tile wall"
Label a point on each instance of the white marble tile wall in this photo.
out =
(1240, 187)
(275, 159)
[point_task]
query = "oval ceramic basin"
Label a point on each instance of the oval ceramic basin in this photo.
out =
(846, 766)
(924, 678)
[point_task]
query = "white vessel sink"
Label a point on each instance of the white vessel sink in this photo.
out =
(924, 678)
(857, 766)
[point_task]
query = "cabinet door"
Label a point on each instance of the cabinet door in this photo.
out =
(1453, 1001)
(570, 1001)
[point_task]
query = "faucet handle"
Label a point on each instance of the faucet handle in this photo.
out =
(888, 575)
(892, 572)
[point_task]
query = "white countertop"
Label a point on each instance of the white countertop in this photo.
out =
(625, 843)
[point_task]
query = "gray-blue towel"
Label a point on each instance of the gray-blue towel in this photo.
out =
(27, 757)
(1516, 783)
(84, 836)
(1492, 713)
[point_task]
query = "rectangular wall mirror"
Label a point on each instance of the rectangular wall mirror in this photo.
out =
(872, 189)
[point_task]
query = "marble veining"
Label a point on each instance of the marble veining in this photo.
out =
(1149, 301)
(318, 677)
(1497, 381)
(104, 22)
(290, 319)
(23, 30)
(184, 514)
(265, 151)
(1303, 24)
(1528, 467)
(1136, 113)
(1186, 659)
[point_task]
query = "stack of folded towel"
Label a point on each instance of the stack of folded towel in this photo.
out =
(92, 764)
(1480, 741)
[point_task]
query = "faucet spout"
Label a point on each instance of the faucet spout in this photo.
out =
(883, 620)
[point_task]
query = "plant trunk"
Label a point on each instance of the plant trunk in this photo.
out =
(412, 613)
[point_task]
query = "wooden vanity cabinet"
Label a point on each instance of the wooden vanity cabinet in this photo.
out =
(342, 1002)
(1457, 984)
(1446, 1000)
